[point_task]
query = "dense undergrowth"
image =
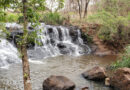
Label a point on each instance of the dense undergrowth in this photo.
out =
(114, 22)
(112, 28)
(9, 17)
(124, 61)
(53, 18)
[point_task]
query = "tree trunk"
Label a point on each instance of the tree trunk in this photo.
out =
(26, 70)
(86, 8)
(79, 8)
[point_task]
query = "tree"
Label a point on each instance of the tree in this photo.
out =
(86, 7)
(28, 15)
(26, 69)
(79, 5)
(83, 6)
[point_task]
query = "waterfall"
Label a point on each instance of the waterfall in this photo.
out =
(58, 40)
(8, 54)
(55, 41)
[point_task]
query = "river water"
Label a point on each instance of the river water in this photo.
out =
(62, 52)
(71, 67)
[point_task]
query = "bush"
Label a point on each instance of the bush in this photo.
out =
(53, 18)
(112, 27)
(12, 17)
(9, 17)
(125, 60)
(2, 16)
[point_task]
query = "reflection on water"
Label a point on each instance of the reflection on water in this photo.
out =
(71, 67)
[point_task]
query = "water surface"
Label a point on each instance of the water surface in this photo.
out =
(69, 66)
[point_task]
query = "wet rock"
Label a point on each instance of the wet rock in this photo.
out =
(58, 83)
(61, 45)
(60, 33)
(102, 53)
(73, 32)
(93, 48)
(96, 73)
(13, 28)
(65, 48)
(30, 28)
(85, 88)
(50, 30)
(121, 79)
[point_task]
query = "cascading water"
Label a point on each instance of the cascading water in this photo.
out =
(8, 54)
(55, 40)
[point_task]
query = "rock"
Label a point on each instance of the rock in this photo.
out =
(121, 79)
(93, 48)
(58, 83)
(50, 30)
(107, 81)
(102, 53)
(30, 28)
(85, 88)
(96, 73)
(61, 45)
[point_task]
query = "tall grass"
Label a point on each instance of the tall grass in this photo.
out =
(52, 18)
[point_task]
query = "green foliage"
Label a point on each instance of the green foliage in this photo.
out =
(12, 17)
(9, 17)
(3, 32)
(114, 18)
(60, 5)
(125, 60)
(53, 18)
(110, 25)
(37, 5)
(25, 75)
(89, 38)
(32, 16)
(2, 16)
(5, 3)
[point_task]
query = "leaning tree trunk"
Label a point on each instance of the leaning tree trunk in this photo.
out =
(86, 8)
(26, 70)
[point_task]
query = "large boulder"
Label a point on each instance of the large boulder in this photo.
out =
(58, 83)
(121, 79)
(96, 73)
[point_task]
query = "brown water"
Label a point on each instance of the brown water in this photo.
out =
(69, 66)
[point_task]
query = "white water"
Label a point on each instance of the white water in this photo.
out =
(8, 54)
(53, 36)
(55, 40)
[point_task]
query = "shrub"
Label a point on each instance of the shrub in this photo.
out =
(112, 27)
(8, 17)
(12, 17)
(2, 16)
(125, 60)
(53, 18)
